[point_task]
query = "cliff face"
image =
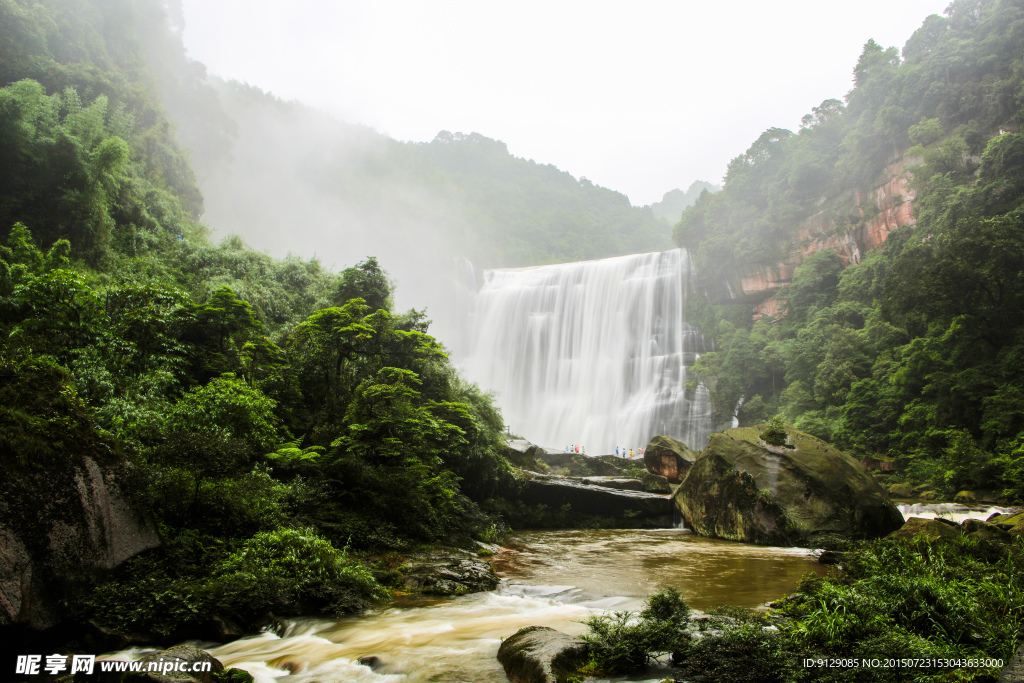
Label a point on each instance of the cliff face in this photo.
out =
(59, 532)
(878, 212)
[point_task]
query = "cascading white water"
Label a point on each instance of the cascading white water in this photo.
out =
(593, 353)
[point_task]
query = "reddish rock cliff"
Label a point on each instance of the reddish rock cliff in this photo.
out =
(892, 206)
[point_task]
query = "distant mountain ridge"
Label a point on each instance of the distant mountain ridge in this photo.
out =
(672, 205)
(283, 175)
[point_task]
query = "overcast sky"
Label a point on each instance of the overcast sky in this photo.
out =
(638, 96)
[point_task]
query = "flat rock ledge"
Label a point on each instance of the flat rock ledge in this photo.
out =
(555, 491)
(538, 654)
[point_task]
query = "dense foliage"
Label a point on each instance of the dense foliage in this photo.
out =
(912, 354)
(953, 599)
(277, 416)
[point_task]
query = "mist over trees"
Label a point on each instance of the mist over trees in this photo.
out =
(671, 206)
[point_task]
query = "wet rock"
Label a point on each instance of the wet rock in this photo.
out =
(655, 483)
(984, 531)
(372, 661)
(615, 483)
(1011, 518)
(450, 573)
(743, 490)
(184, 659)
(523, 454)
(1013, 672)
(965, 497)
(556, 492)
(928, 495)
(932, 529)
(669, 458)
(831, 557)
(224, 630)
(538, 654)
(901, 491)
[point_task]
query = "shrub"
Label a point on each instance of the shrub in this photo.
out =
(745, 654)
(775, 432)
(624, 642)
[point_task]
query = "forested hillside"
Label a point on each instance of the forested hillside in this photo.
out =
(913, 351)
(272, 415)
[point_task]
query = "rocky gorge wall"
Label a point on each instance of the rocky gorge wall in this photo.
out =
(60, 530)
(876, 213)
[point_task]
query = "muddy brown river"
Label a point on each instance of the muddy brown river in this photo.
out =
(550, 578)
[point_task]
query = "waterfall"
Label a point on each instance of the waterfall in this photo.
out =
(593, 353)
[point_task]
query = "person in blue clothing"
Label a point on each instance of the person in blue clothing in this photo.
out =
(616, 450)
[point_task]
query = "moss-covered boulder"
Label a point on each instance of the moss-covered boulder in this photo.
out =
(742, 489)
(984, 531)
(538, 654)
(669, 458)
(931, 529)
(965, 498)
(901, 491)
(1011, 522)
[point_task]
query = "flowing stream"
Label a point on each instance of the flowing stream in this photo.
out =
(595, 353)
(550, 578)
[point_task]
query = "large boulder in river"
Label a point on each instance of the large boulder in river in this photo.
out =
(669, 458)
(538, 654)
(743, 489)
